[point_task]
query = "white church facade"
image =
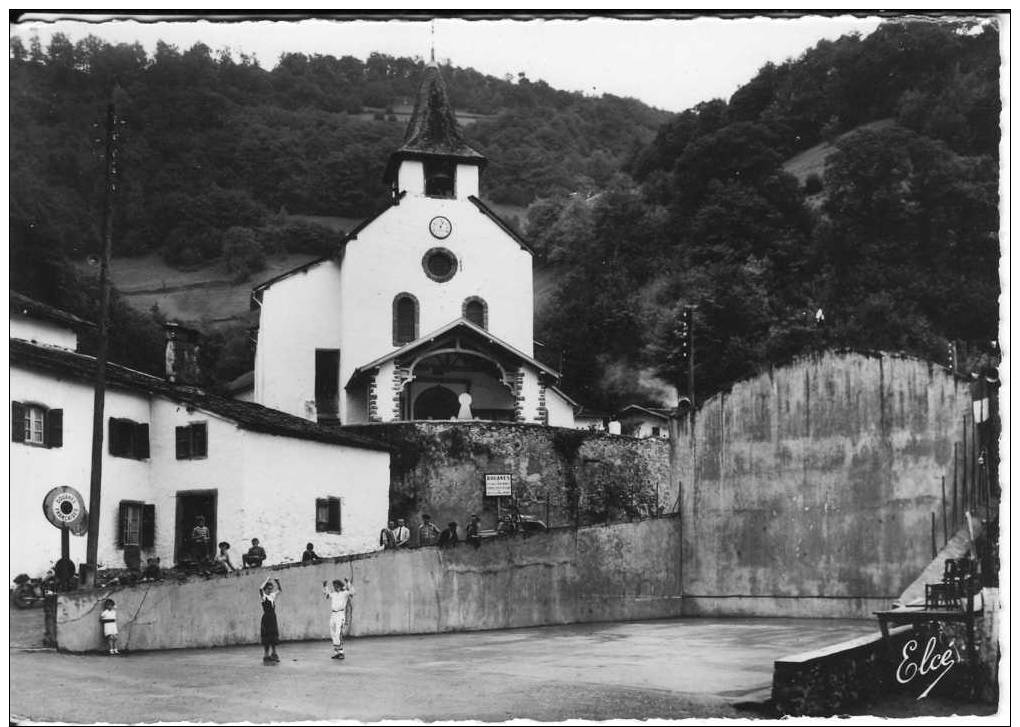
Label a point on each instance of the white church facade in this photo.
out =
(425, 311)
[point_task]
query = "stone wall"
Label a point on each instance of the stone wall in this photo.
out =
(829, 681)
(617, 572)
(561, 476)
(808, 491)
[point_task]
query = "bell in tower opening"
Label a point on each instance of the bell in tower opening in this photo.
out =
(439, 178)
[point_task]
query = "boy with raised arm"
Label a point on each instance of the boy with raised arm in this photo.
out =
(338, 598)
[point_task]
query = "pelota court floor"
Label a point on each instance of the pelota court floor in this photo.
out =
(651, 669)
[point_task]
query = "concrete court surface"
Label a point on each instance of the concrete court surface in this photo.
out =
(650, 669)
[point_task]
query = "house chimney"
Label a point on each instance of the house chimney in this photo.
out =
(181, 354)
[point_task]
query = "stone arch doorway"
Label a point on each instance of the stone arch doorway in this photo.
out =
(436, 402)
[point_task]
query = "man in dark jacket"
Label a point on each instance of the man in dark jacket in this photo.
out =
(448, 538)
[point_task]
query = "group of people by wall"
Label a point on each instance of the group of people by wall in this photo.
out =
(397, 535)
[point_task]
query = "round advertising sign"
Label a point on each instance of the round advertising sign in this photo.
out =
(64, 507)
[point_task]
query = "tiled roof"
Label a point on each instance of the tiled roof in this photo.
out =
(463, 325)
(653, 411)
(433, 129)
(253, 417)
(35, 309)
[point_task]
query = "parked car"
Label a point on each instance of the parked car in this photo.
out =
(525, 525)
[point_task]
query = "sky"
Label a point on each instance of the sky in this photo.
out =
(670, 63)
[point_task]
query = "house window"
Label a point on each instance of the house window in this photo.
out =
(128, 439)
(37, 425)
(405, 319)
(477, 311)
(137, 524)
(656, 431)
(192, 441)
(327, 515)
(439, 177)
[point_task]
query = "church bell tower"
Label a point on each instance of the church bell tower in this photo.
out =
(434, 160)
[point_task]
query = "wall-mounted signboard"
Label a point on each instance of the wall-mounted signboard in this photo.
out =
(498, 484)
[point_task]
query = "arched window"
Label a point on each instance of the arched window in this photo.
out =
(477, 311)
(405, 319)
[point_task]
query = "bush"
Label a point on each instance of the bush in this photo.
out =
(242, 253)
(298, 236)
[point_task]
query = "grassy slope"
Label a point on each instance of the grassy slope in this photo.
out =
(207, 296)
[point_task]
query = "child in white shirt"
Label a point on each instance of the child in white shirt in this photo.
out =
(108, 618)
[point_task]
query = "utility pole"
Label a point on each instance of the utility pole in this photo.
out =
(686, 331)
(88, 569)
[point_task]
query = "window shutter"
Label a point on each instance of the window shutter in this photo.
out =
(17, 421)
(334, 514)
(141, 441)
(183, 443)
(54, 426)
(113, 434)
(122, 527)
(199, 440)
(321, 516)
(148, 523)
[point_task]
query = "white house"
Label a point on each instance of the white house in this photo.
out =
(172, 452)
(425, 311)
(643, 422)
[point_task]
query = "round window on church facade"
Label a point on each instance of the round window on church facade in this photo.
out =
(439, 264)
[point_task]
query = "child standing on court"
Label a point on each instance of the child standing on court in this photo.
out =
(338, 598)
(108, 618)
(270, 630)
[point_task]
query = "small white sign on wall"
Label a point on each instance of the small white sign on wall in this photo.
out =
(498, 485)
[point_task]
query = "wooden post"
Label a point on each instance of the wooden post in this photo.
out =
(88, 570)
(956, 512)
(963, 483)
(967, 492)
(974, 461)
(547, 510)
(945, 527)
(65, 544)
(934, 552)
(955, 479)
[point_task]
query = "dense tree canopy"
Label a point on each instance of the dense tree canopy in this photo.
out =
(637, 214)
(899, 252)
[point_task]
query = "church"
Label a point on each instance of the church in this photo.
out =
(423, 312)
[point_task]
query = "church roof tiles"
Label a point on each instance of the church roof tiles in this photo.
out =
(433, 130)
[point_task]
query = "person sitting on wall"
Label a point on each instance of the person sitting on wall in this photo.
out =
(401, 536)
(448, 538)
(428, 533)
(255, 556)
(386, 538)
(222, 560)
(473, 534)
(309, 555)
(200, 541)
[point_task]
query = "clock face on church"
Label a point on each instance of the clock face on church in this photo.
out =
(440, 227)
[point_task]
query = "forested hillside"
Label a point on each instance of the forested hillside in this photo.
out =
(898, 247)
(892, 234)
(223, 161)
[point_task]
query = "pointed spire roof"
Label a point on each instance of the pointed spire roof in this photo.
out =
(433, 130)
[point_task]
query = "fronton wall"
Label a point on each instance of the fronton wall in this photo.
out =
(809, 490)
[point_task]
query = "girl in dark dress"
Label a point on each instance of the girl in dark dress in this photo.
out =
(270, 631)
